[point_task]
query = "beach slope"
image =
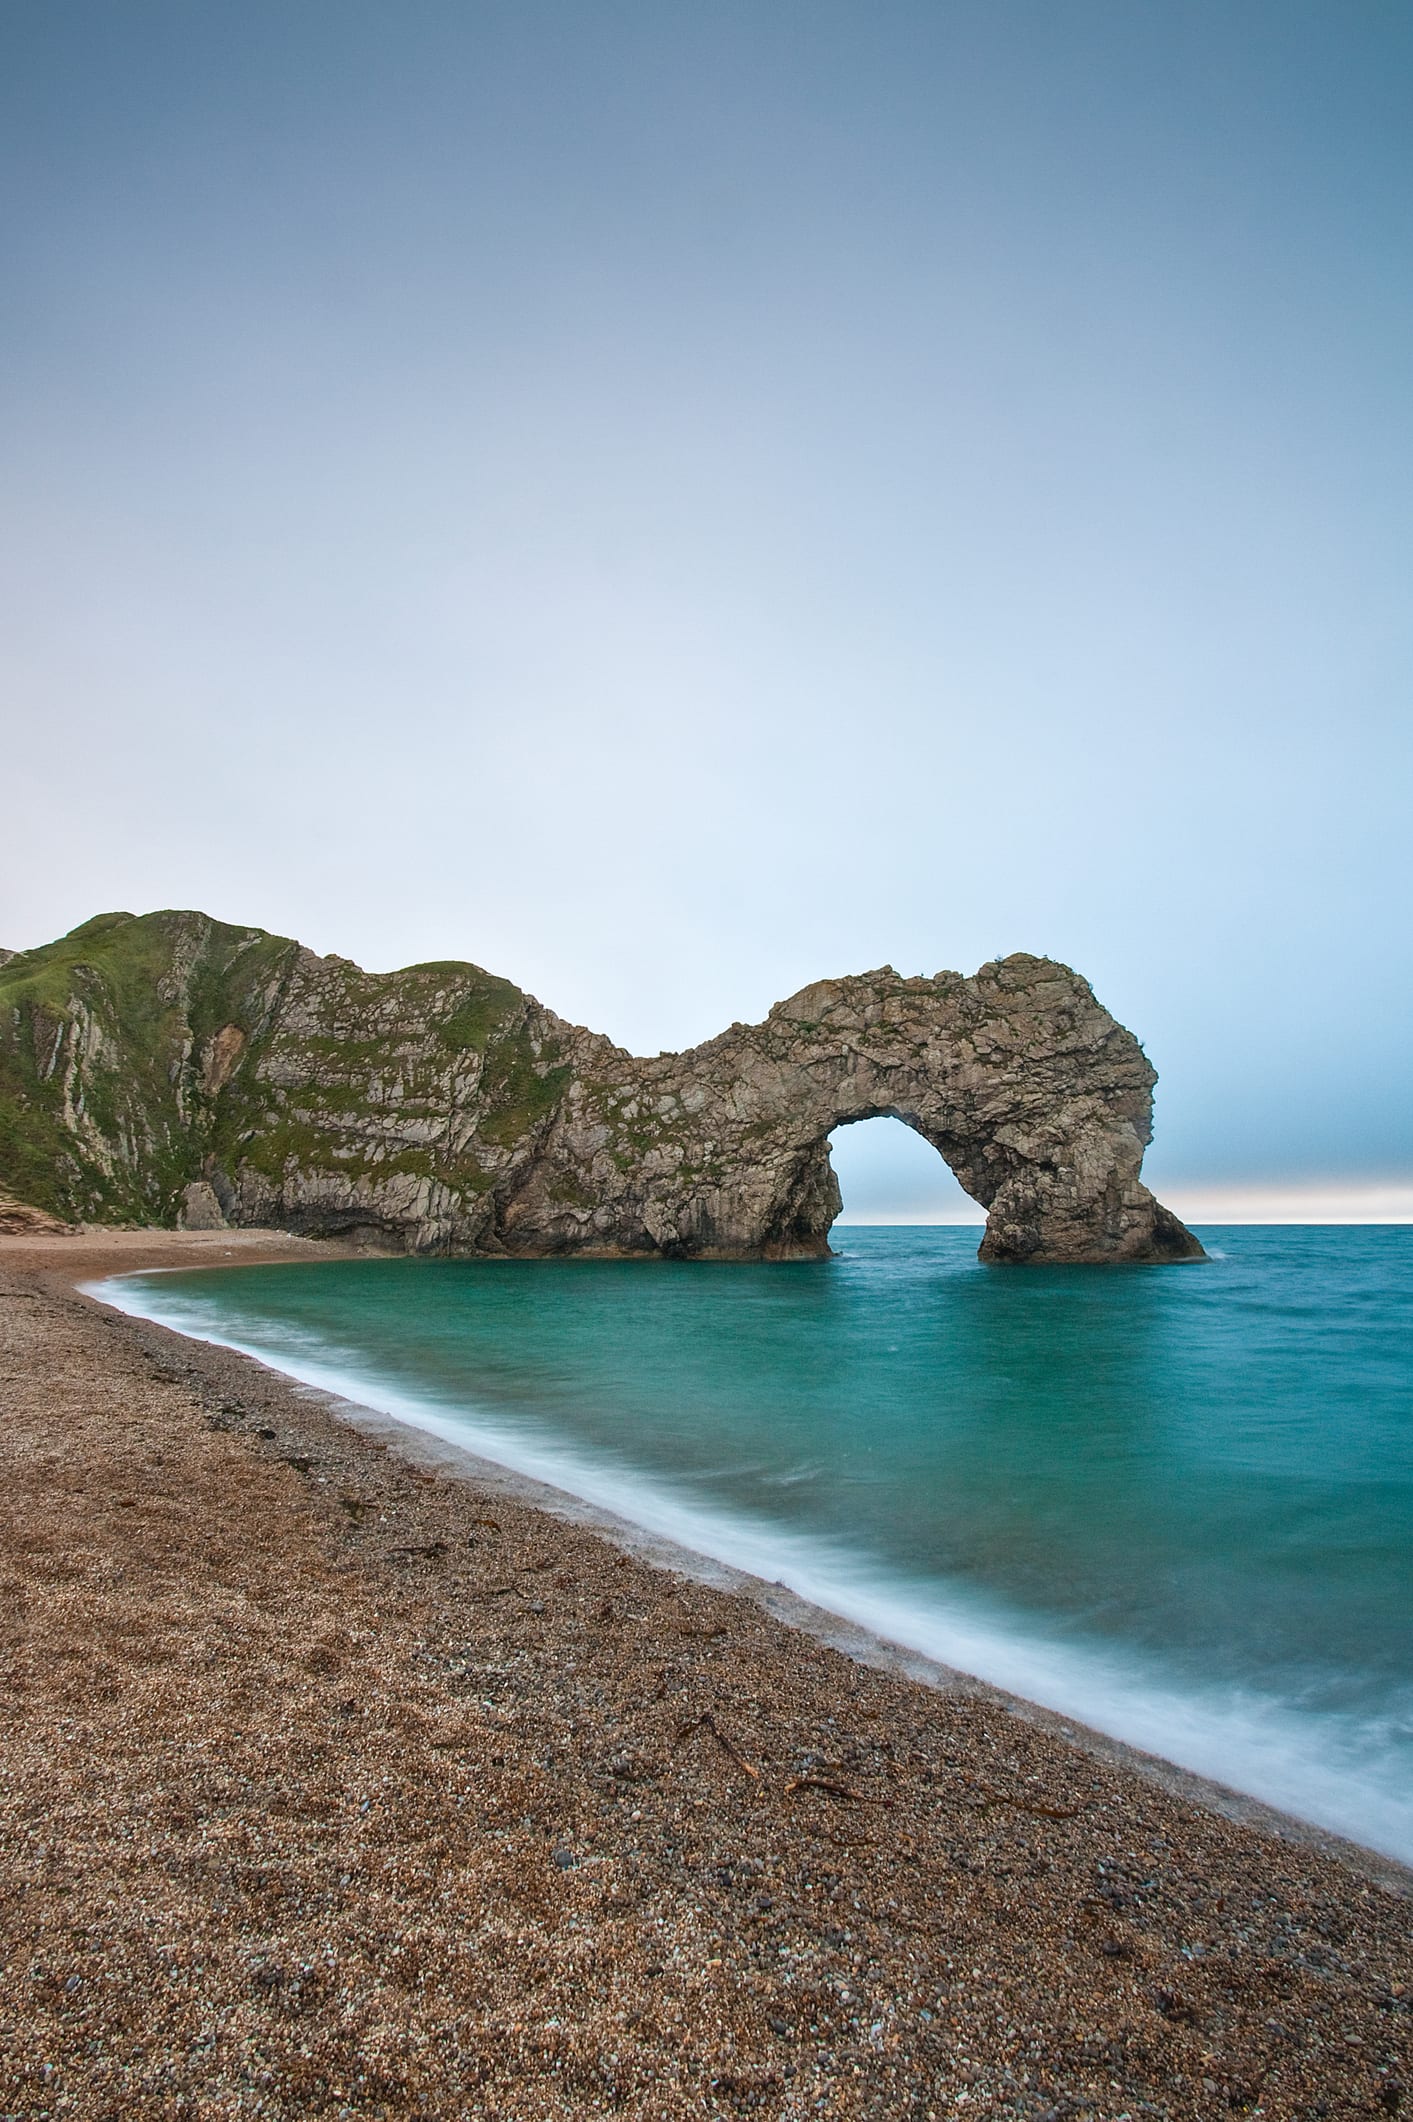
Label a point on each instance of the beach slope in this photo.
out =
(336, 1784)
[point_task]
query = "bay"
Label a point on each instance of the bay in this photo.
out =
(1176, 1503)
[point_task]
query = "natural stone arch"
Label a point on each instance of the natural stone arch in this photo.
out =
(1038, 1101)
(440, 1109)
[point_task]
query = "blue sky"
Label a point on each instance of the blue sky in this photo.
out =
(674, 502)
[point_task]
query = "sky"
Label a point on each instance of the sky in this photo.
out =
(671, 503)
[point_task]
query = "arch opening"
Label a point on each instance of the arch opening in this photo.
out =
(889, 1173)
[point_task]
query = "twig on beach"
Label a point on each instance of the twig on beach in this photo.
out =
(833, 1790)
(683, 1628)
(706, 1722)
(989, 1798)
(499, 1591)
(671, 1672)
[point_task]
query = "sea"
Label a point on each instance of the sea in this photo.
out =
(1172, 1503)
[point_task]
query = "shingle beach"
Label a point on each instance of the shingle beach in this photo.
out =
(338, 1779)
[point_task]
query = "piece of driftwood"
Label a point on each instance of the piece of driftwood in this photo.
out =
(706, 1722)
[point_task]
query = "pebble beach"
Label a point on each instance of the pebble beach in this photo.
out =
(340, 1779)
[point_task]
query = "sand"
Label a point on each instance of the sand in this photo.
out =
(340, 1782)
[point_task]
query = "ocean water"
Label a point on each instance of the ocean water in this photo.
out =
(1176, 1503)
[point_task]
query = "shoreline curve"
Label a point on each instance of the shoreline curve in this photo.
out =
(422, 1438)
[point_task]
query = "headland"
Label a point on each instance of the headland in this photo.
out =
(173, 1069)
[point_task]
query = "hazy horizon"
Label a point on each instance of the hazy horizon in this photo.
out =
(673, 505)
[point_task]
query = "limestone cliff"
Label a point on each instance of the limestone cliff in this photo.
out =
(173, 1068)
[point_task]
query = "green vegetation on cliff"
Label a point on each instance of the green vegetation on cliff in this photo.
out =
(171, 1067)
(102, 1113)
(141, 1054)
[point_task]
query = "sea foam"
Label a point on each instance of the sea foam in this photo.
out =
(1344, 1773)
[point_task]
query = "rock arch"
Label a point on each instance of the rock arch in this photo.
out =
(168, 1065)
(1036, 1098)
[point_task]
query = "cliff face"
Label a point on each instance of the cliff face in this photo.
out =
(174, 1068)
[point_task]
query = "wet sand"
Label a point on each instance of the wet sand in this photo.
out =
(341, 1777)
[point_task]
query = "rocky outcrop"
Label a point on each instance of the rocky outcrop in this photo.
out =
(18, 1219)
(175, 1068)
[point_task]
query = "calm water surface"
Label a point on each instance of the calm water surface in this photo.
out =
(1176, 1502)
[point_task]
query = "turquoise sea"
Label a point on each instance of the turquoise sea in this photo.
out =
(1176, 1503)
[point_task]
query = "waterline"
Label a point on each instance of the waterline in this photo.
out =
(1282, 1734)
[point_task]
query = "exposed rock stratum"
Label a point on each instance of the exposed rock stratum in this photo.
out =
(172, 1068)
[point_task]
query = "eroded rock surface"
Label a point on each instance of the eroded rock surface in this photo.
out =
(172, 1067)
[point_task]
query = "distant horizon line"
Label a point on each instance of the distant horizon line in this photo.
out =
(1332, 1202)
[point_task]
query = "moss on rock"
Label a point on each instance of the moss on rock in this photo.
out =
(144, 1057)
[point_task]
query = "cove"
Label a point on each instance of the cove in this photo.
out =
(1178, 1507)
